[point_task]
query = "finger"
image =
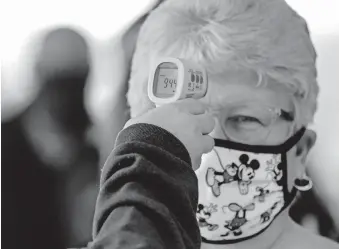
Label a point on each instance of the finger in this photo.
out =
(206, 123)
(192, 106)
(208, 143)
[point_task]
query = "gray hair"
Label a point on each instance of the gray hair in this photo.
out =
(267, 37)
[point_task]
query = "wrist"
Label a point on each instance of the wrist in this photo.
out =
(154, 135)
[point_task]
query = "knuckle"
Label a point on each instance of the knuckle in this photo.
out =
(178, 107)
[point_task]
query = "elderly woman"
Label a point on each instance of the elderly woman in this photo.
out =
(263, 92)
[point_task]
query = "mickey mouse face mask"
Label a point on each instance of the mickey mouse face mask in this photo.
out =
(242, 188)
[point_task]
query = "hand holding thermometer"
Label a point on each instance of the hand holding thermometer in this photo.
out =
(172, 79)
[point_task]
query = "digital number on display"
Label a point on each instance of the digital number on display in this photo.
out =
(170, 83)
(167, 81)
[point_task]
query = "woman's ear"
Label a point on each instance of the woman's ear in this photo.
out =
(305, 144)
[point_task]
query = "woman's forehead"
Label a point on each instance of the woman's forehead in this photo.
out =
(243, 87)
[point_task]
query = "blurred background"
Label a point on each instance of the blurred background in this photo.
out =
(63, 102)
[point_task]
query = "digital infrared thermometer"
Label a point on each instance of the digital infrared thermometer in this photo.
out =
(172, 79)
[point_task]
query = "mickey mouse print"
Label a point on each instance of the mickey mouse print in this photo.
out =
(246, 190)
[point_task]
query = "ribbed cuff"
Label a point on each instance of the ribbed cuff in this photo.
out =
(154, 135)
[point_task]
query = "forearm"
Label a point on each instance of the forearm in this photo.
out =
(148, 193)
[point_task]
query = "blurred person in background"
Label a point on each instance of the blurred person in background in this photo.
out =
(105, 93)
(49, 170)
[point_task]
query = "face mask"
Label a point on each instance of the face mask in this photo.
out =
(242, 188)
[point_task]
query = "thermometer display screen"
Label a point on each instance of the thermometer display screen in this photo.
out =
(166, 82)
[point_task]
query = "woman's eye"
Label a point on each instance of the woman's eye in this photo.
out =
(244, 119)
(242, 123)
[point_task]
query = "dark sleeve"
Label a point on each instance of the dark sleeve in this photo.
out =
(148, 193)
